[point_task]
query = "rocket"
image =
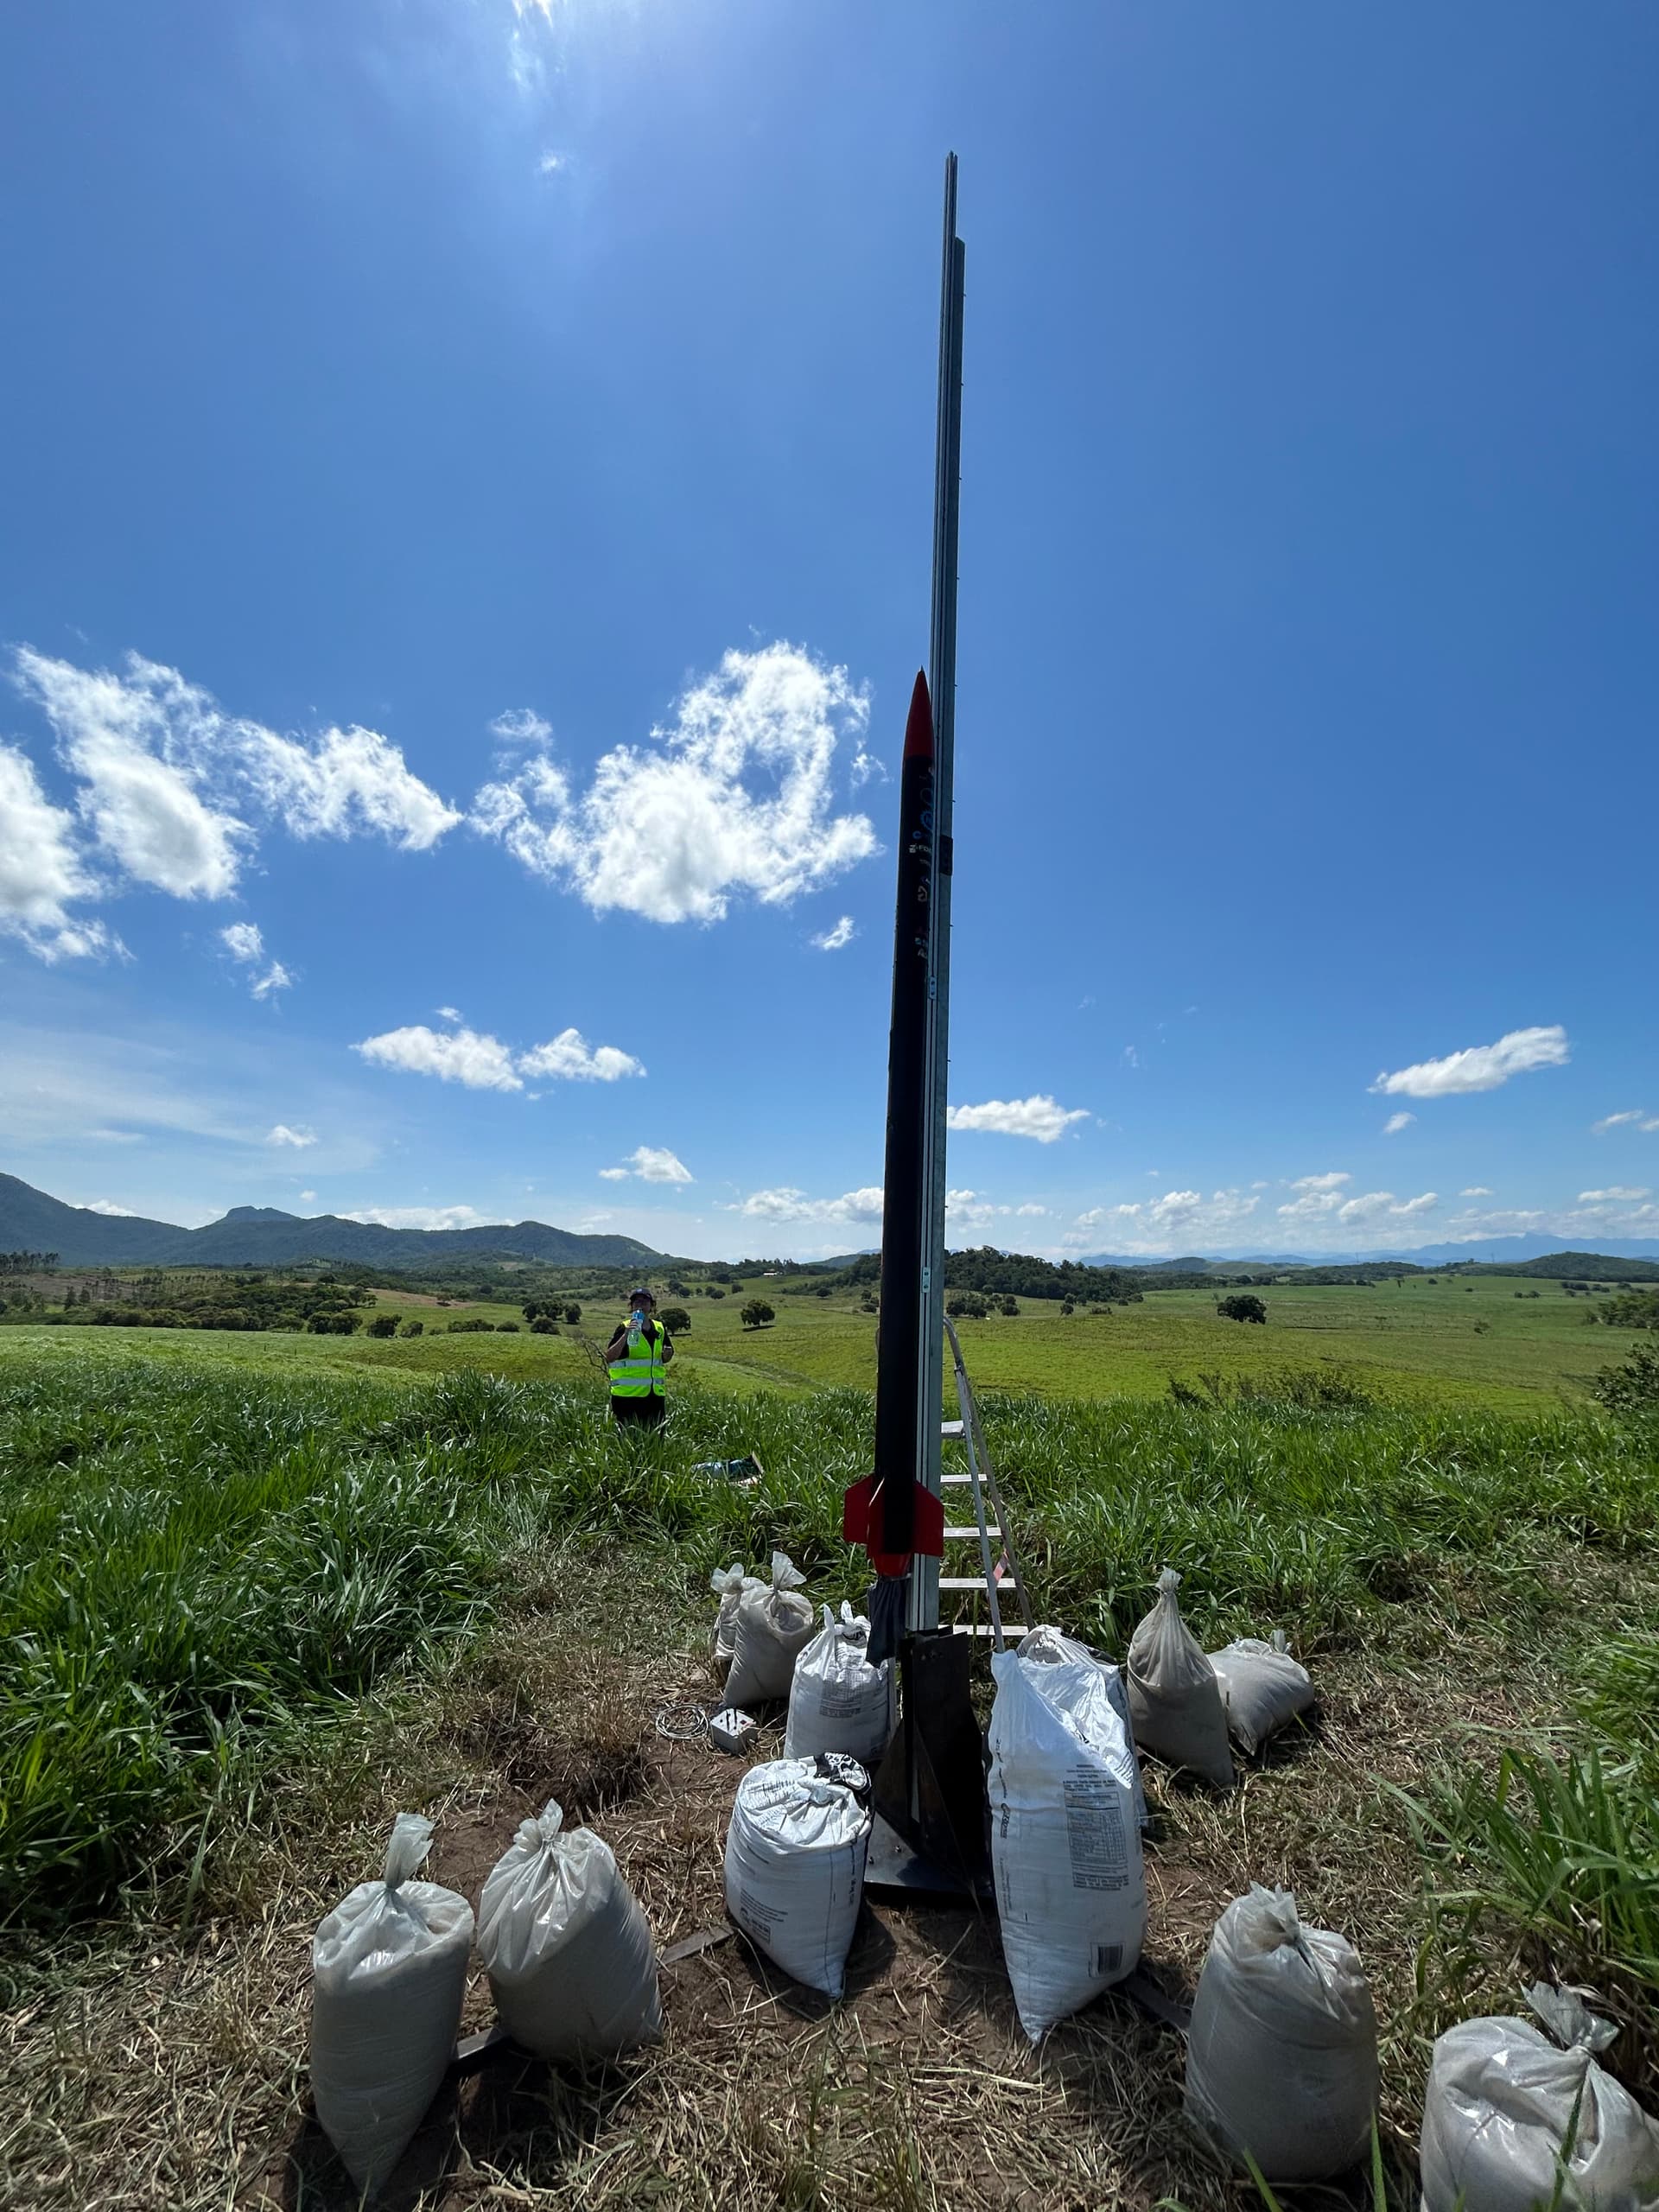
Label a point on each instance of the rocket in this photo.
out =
(892, 1512)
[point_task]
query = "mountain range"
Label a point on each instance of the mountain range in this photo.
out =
(1489, 1252)
(261, 1236)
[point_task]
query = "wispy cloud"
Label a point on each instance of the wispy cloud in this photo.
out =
(298, 1138)
(1480, 1067)
(1040, 1117)
(651, 1164)
(1616, 1193)
(1320, 1194)
(419, 1216)
(480, 1062)
(1183, 1220)
(167, 778)
(854, 1209)
(1379, 1205)
(1476, 1190)
(1636, 1116)
(521, 725)
(244, 942)
(1395, 1122)
(832, 940)
(734, 795)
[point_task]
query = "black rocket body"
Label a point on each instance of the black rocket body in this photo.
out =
(891, 1512)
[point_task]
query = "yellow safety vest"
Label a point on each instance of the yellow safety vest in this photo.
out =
(640, 1375)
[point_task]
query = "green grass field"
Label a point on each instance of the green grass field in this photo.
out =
(258, 1592)
(1419, 1342)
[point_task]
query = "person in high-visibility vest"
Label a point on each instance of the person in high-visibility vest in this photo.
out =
(637, 1357)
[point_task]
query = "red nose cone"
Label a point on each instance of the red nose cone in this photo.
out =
(918, 730)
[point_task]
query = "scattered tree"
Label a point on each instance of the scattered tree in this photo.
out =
(383, 1325)
(412, 1327)
(1010, 1306)
(572, 1314)
(543, 1326)
(1242, 1306)
(756, 1314)
(674, 1319)
(1633, 1388)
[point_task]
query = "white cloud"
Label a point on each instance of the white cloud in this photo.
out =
(551, 164)
(651, 1164)
(569, 1058)
(448, 1013)
(480, 1062)
(1038, 1117)
(1395, 1122)
(1617, 1121)
(521, 725)
(419, 1216)
(1616, 1193)
(275, 978)
(41, 874)
(1131, 1057)
(282, 1134)
(345, 782)
(1480, 1067)
(161, 765)
(735, 795)
(1476, 1190)
(1648, 1127)
(1030, 1212)
(1183, 1219)
(244, 941)
(1377, 1205)
(308, 1198)
(109, 1206)
(843, 933)
(484, 1063)
(1320, 1194)
(853, 1208)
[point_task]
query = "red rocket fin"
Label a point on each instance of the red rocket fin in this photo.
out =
(860, 1514)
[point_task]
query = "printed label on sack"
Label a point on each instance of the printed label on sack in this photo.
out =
(1094, 1831)
(1108, 1957)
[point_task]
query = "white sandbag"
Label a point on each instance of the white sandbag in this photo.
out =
(728, 1584)
(571, 1963)
(837, 1700)
(1174, 1699)
(795, 1853)
(1065, 1842)
(1499, 2108)
(1262, 1688)
(388, 1974)
(773, 1623)
(1281, 2056)
(1050, 1646)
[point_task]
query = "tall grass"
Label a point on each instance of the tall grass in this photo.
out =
(194, 1564)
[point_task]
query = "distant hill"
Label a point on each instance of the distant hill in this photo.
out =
(264, 1236)
(1487, 1252)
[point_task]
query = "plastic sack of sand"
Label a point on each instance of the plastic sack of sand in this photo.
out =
(1052, 1647)
(1281, 2055)
(728, 1584)
(389, 1973)
(773, 1623)
(1262, 1688)
(1174, 1699)
(1065, 1839)
(795, 1853)
(837, 1700)
(1500, 2108)
(572, 1967)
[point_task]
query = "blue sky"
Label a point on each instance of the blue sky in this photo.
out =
(468, 498)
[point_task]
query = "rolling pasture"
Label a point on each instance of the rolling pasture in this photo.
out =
(1505, 1343)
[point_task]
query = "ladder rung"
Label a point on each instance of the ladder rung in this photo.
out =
(972, 1530)
(975, 1581)
(956, 1481)
(951, 1427)
(1010, 1628)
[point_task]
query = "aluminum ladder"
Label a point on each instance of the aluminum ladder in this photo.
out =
(999, 1577)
